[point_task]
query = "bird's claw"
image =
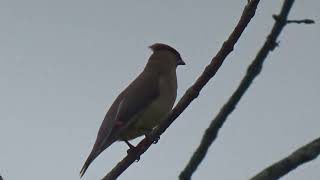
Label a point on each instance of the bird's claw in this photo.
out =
(138, 159)
(156, 140)
(132, 150)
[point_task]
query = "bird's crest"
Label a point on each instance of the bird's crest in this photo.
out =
(161, 46)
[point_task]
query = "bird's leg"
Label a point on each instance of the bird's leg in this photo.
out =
(129, 144)
(146, 134)
(131, 149)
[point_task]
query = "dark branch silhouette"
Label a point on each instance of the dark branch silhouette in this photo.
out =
(301, 21)
(252, 72)
(302, 155)
(190, 94)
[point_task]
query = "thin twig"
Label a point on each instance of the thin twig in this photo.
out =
(302, 155)
(253, 71)
(301, 21)
(190, 94)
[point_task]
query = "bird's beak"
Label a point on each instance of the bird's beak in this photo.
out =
(181, 62)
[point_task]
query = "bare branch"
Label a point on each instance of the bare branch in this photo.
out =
(190, 94)
(302, 21)
(252, 72)
(302, 155)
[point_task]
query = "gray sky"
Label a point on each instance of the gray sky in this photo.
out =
(63, 62)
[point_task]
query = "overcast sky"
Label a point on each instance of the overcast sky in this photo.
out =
(63, 62)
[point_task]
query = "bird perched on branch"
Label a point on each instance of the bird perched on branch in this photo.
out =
(143, 104)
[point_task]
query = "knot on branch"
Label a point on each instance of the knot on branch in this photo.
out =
(228, 46)
(191, 92)
(272, 43)
(255, 68)
(280, 19)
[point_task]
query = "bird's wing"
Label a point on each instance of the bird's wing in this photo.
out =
(129, 104)
(123, 112)
(137, 97)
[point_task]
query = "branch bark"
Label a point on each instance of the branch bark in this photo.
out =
(253, 71)
(190, 94)
(302, 155)
(301, 21)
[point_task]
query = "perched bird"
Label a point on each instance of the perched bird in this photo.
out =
(143, 104)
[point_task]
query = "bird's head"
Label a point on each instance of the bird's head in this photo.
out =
(165, 55)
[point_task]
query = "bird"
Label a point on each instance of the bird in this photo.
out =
(143, 104)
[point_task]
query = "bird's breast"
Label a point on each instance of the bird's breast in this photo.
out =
(157, 110)
(161, 106)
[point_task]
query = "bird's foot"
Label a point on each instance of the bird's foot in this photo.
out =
(132, 149)
(155, 141)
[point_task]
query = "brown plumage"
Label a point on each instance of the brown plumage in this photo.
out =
(143, 104)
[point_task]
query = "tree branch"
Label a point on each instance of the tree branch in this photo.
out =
(190, 94)
(302, 155)
(252, 72)
(301, 21)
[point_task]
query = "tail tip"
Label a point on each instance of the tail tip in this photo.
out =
(83, 170)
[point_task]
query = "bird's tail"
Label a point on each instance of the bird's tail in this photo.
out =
(92, 156)
(96, 150)
(89, 160)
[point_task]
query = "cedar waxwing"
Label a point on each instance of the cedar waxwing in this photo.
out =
(143, 104)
